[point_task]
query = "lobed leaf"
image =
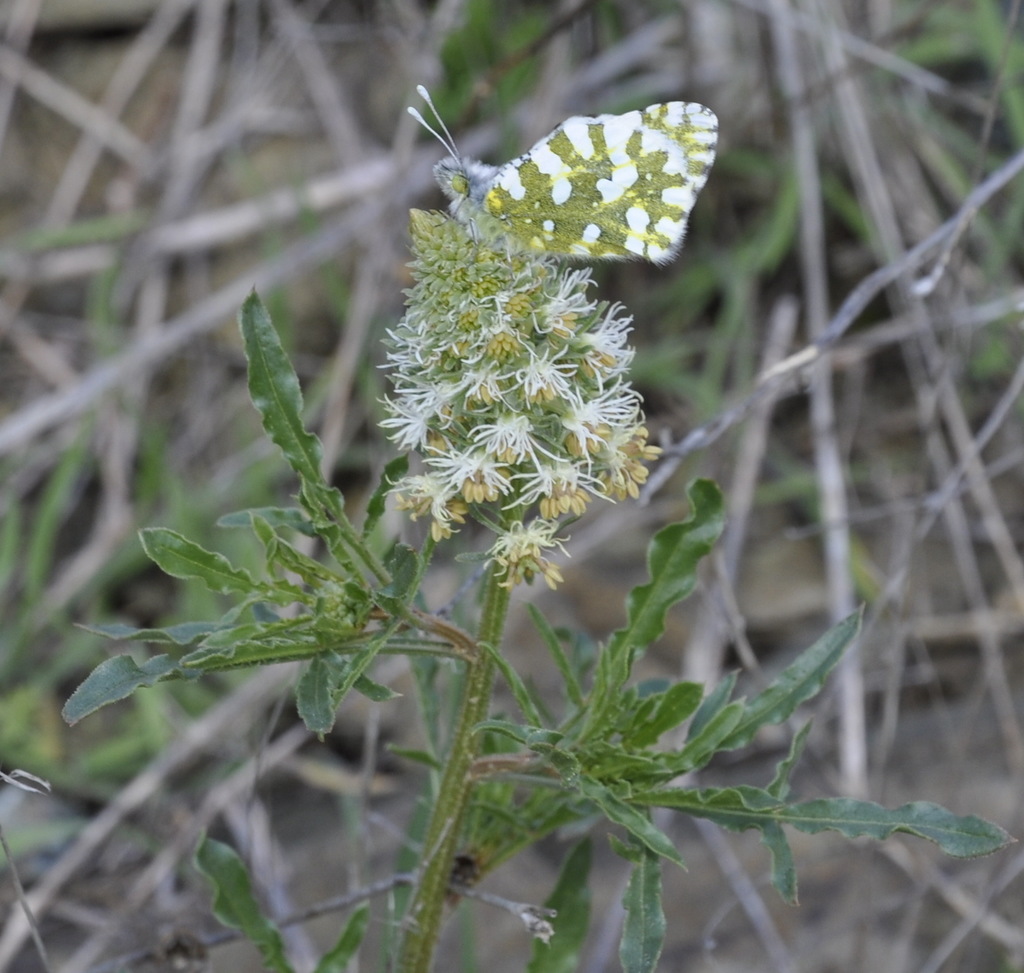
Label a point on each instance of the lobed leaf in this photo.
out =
(672, 560)
(661, 712)
(959, 837)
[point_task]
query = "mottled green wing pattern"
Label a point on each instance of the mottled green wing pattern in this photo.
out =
(612, 186)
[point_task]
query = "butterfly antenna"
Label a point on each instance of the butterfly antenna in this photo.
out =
(446, 138)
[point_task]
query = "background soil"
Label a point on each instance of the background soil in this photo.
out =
(159, 159)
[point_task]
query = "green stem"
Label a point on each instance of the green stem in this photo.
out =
(423, 920)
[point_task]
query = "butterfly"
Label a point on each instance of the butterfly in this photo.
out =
(613, 187)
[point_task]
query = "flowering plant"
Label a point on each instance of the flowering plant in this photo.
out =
(511, 385)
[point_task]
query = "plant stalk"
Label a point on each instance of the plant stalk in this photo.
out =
(423, 920)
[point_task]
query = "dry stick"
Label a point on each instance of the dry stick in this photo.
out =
(872, 53)
(934, 385)
(21, 23)
(256, 693)
(126, 79)
(750, 900)
(927, 285)
(970, 466)
(973, 907)
(168, 861)
(72, 107)
(702, 661)
(327, 95)
(81, 162)
(349, 355)
(858, 299)
(27, 912)
(828, 462)
(36, 417)
(201, 232)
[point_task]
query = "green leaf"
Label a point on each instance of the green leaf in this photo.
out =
(643, 933)
(779, 787)
(672, 560)
(713, 704)
(234, 903)
(735, 808)
(405, 567)
(115, 679)
(960, 837)
(181, 558)
(293, 518)
(739, 808)
(274, 389)
(314, 695)
(515, 683)
(783, 868)
(570, 898)
(336, 959)
(638, 823)
(184, 634)
(797, 683)
(542, 742)
(418, 756)
(374, 691)
(328, 679)
(256, 643)
(573, 690)
(375, 509)
(283, 555)
(701, 748)
(662, 712)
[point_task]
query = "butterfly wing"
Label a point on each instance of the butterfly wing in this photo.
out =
(610, 186)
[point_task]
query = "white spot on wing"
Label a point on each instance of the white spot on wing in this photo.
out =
(561, 190)
(508, 179)
(547, 161)
(578, 133)
(638, 219)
